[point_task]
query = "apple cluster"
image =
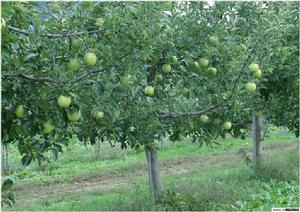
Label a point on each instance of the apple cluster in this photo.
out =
(255, 70)
(89, 59)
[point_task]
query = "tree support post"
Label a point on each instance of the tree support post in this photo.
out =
(97, 149)
(4, 158)
(257, 144)
(155, 185)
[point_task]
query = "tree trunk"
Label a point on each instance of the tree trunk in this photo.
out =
(4, 158)
(97, 149)
(162, 142)
(257, 145)
(155, 185)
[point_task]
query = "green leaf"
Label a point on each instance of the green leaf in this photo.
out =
(26, 160)
(30, 55)
(7, 184)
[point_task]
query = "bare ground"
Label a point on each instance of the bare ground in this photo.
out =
(127, 178)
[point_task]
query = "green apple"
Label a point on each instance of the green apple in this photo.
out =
(257, 73)
(74, 116)
(73, 65)
(204, 119)
(212, 71)
(126, 81)
(217, 121)
(185, 91)
(131, 129)
(213, 40)
(149, 90)
(166, 68)
(174, 60)
(98, 115)
(251, 87)
(64, 101)
(76, 43)
(48, 127)
(20, 111)
(196, 64)
(227, 125)
(100, 22)
(90, 59)
(253, 67)
(204, 62)
(158, 78)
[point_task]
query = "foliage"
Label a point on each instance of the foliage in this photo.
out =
(280, 58)
(272, 194)
(133, 73)
(7, 197)
(77, 164)
(132, 41)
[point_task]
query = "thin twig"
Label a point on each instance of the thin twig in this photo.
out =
(168, 114)
(29, 77)
(242, 68)
(88, 73)
(24, 32)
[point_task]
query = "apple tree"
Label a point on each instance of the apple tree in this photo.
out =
(280, 90)
(274, 73)
(128, 73)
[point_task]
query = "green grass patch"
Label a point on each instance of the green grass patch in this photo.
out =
(233, 188)
(79, 160)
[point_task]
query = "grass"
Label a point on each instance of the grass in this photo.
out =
(232, 183)
(234, 188)
(80, 160)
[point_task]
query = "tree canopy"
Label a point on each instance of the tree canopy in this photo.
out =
(103, 55)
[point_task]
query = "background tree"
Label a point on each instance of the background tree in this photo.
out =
(277, 99)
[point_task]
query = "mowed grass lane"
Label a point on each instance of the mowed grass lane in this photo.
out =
(77, 178)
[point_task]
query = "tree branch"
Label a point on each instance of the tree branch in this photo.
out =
(88, 73)
(24, 32)
(96, 71)
(169, 114)
(29, 77)
(11, 28)
(248, 56)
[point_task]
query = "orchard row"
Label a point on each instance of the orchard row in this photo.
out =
(90, 58)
